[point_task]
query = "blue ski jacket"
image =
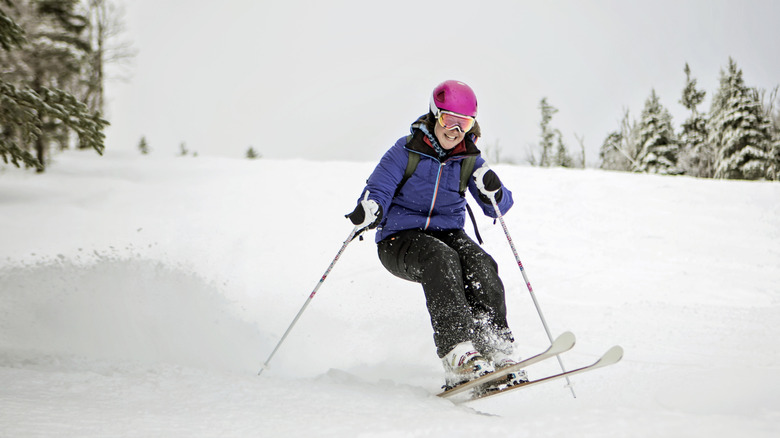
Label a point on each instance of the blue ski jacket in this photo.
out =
(430, 198)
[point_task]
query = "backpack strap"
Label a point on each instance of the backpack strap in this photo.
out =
(474, 223)
(466, 169)
(411, 166)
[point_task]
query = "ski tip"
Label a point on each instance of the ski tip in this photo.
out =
(613, 355)
(565, 341)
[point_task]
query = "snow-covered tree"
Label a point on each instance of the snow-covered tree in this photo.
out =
(738, 129)
(40, 56)
(105, 26)
(772, 113)
(562, 157)
(774, 156)
(553, 151)
(611, 158)
(659, 148)
(619, 150)
(11, 35)
(696, 155)
(773, 171)
(547, 134)
(581, 140)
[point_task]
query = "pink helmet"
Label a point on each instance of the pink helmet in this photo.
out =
(454, 96)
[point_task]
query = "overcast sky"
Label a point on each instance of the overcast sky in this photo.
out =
(343, 79)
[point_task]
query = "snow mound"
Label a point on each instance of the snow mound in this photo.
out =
(123, 309)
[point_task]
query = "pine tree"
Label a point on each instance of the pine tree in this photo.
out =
(611, 158)
(33, 109)
(15, 123)
(619, 150)
(772, 113)
(738, 129)
(773, 171)
(696, 156)
(658, 144)
(548, 134)
(774, 168)
(251, 153)
(581, 141)
(56, 58)
(562, 157)
(11, 35)
(143, 146)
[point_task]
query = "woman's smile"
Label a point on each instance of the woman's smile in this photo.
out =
(448, 139)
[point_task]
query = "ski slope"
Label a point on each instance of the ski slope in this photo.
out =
(139, 296)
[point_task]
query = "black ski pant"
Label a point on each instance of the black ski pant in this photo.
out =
(464, 295)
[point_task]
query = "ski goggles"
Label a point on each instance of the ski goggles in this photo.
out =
(449, 121)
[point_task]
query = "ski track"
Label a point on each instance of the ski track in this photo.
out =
(155, 288)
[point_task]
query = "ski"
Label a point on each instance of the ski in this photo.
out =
(611, 357)
(561, 344)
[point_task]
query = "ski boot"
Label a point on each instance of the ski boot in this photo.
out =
(464, 363)
(501, 360)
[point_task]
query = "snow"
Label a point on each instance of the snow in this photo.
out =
(139, 296)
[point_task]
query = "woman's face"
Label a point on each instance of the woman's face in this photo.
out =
(448, 139)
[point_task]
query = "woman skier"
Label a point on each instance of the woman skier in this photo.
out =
(415, 199)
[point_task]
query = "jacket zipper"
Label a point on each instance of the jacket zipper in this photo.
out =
(435, 193)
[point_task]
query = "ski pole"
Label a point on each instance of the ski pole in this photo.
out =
(351, 236)
(528, 285)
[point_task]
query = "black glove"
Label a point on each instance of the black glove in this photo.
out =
(488, 184)
(367, 214)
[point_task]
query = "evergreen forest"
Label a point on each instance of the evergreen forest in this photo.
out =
(54, 55)
(737, 138)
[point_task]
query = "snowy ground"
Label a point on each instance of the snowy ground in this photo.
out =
(139, 296)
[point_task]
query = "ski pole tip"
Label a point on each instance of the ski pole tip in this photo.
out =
(263, 368)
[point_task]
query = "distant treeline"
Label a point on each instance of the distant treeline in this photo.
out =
(738, 138)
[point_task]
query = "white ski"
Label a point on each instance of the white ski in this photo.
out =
(561, 344)
(611, 357)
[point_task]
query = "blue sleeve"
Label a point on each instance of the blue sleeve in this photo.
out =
(506, 199)
(386, 176)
